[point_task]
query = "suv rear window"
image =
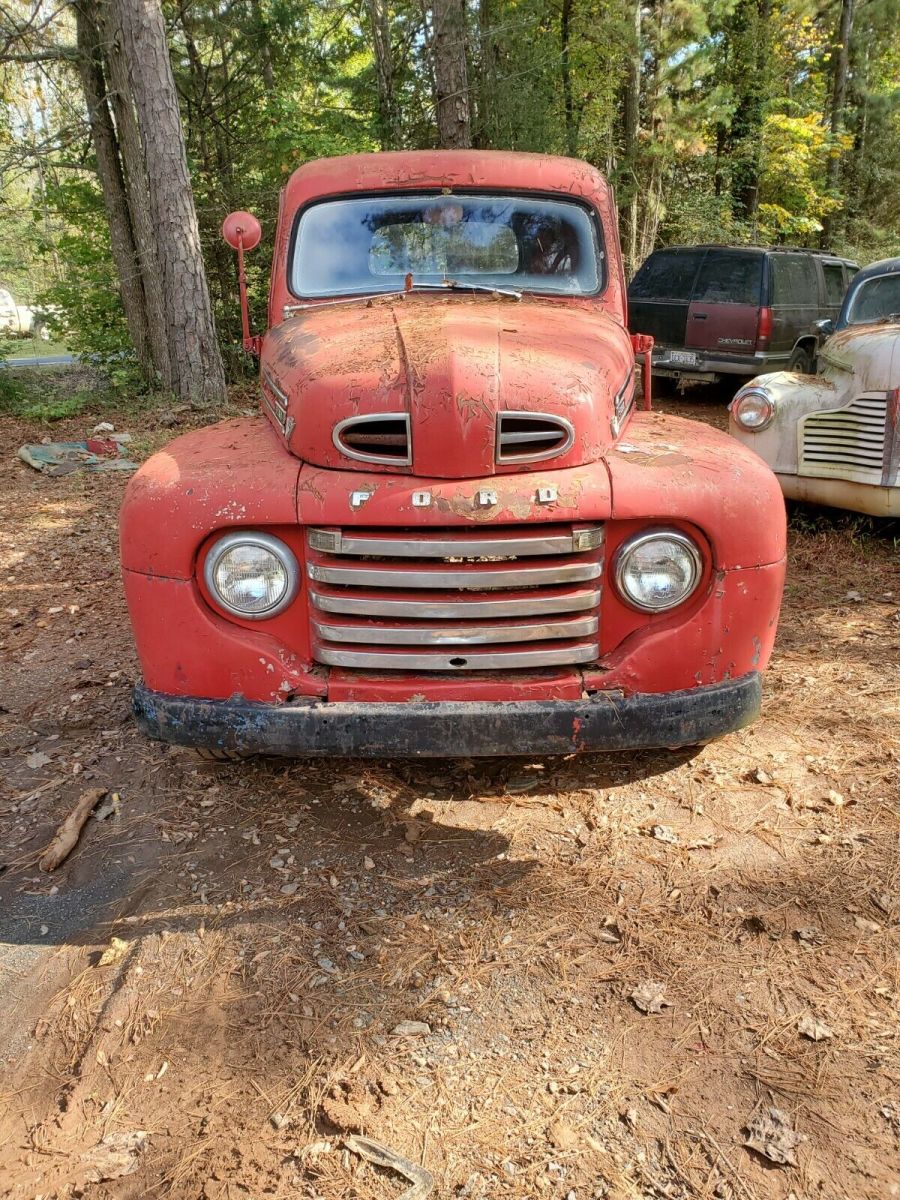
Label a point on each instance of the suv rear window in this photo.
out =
(729, 277)
(666, 275)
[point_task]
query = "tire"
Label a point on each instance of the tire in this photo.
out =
(801, 361)
(40, 332)
(219, 756)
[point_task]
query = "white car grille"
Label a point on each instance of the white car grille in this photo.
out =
(846, 443)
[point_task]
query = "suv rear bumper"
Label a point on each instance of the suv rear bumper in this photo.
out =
(605, 721)
(717, 364)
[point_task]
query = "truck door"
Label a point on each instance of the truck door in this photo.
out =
(660, 294)
(724, 310)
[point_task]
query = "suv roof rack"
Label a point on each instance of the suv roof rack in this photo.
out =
(753, 246)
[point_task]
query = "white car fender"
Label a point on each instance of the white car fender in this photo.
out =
(793, 397)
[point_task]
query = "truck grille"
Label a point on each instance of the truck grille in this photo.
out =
(847, 443)
(455, 599)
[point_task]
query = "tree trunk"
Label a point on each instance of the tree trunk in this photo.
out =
(197, 373)
(112, 183)
(840, 70)
(631, 111)
(450, 75)
(565, 25)
(752, 23)
(136, 191)
(388, 109)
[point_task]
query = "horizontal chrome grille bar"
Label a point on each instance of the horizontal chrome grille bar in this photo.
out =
(458, 635)
(493, 660)
(466, 545)
(475, 576)
(437, 610)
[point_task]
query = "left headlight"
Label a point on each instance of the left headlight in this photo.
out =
(657, 571)
(753, 409)
(253, 575)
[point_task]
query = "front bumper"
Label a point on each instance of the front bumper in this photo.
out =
(605, 721)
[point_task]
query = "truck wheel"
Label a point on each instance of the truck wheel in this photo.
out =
(801, 361)
(40, 332)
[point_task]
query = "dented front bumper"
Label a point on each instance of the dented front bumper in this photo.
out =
(605, 721)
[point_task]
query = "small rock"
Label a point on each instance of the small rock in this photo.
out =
(664, 833)
(369, 863)
(411, 1029)
(279, 1121)
(758, 775)
(37, 760)
(288, 889)
(865, 925)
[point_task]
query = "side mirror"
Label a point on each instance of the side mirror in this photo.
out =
(242, 231)
(824, 328)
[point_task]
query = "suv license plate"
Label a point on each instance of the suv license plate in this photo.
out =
(686, 357)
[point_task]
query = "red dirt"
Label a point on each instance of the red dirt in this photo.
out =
(277, 921)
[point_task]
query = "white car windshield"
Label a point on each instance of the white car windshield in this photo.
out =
(875, 300)
(374, 244)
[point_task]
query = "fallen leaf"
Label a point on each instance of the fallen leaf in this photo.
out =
(650, 997)
(113, 952)
(816, 1031)
(563, 1136)
(770, 1133)
(117, 1155)
(811, 934)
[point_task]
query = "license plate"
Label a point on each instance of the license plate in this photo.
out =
(687, 358)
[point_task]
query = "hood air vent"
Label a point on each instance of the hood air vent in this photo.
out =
(529, 437)
(376, 438)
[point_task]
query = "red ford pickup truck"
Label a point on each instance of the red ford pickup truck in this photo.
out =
(453, 528)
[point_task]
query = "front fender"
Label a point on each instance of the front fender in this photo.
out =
(794, 397)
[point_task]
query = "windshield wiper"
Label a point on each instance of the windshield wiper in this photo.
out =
(454, 285)
(887, 318)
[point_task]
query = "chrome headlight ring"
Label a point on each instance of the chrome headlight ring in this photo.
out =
(681, 546)
(753, 409)
(269, 546)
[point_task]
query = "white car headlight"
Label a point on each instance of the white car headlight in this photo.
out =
(753, 410)
(657, 571)
(253, 575)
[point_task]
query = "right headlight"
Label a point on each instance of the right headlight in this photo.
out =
(252, 575)
(753, 409)
(658, 570)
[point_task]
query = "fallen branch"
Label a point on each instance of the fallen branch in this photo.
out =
(67, 835)
(381, 1156)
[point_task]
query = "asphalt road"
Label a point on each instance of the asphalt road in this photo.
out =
(39, 360)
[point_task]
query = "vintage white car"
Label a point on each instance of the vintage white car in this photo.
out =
(21, 320)
(834, 438)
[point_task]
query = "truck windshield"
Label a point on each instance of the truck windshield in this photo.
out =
(874, 300)
(371, 245)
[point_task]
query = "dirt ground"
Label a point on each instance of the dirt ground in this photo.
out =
(242, 965)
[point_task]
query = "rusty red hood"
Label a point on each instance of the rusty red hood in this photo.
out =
(452, 363)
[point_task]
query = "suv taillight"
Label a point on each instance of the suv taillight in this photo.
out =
(764, 329)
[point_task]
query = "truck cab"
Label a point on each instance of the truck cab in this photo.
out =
(454, 528)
